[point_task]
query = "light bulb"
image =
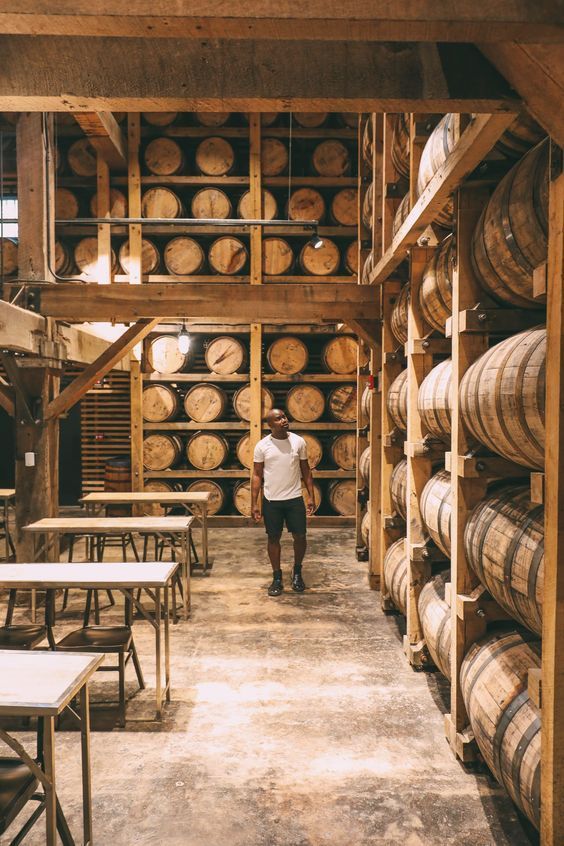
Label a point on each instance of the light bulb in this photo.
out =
(183, 340)
(316, 242)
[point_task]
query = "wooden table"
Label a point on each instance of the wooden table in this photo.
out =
(154, 576)
(7, 495)
(41, 684)
(97, 501)
(51, 527)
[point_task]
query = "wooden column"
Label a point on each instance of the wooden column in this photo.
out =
(255, 358)
(136, 387)
(389, 179)
(104, 275)
(552, 736)
(36, 197)
(134, 195)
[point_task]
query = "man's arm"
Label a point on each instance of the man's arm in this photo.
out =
(256, 484)
(308, 481)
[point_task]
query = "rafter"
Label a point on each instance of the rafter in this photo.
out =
(105, 136)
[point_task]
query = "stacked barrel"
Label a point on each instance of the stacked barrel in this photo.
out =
(501, 406)
(194, 165)
(197, 408)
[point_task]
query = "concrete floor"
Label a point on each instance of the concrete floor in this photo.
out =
(294, 722)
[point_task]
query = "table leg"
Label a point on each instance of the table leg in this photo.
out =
(186, 567)
(7, 537)
(50, 787)
(205, 534)
(86, 775)
(167, 641)
(158, 659)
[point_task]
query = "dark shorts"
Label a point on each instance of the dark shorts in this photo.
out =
(289, 511)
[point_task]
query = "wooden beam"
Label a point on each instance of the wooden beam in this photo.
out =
(536, 71)
(105, 136)
(20, 330)
(95, 371)
(369, 331)
(552, 735)
(187, 75)
(82, 345)
(7, 399)
(416, 20)
(36, 231)
(284, 302)
(475, 142)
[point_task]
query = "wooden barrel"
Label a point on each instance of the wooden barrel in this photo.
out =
(117, 479)
(398, 488)
(242, 402)
(63, 259)
(341, 403)
(340, 355)
(506, 725)
(161, 451)
(364, 466)
(365, 403)
(118, 204)
(400, 144)
(208, 203)
(368, 143)
(269, 206)
(341, 494)
(164, 157)
(215, 156)
(398, 319)
(273, 157)
(160, 403)
(217, 499)
(266, 118)
(150, 257)
(164, 356)
(502, 398)
(305, 403)
(86, 257)
(317, 496)
(367, 268)
(288, 355)
(159, 118)
(212, 118)
(343, 450)
(396, 401)
(205, 403)
(344, 207)
(434, 614)
(206, 450)
(433, 400)
(66, 204)
(320, 261)
(154, 509)
(227, 256)
(438, 148)
(402, 212)
(365, 528)
(306, 204)
(314, 449)
(161, 202)
(81, 158)
(523, 134)
(243, 451)
(242, 498)
(277, 256)
(435, 291)
(504, 544)
(225, 355)
(367, 206)
(310, 120)
(331, 158)
(183, 256)
(351, 258)
(510, 239)
(9, 256)
(395, 574)
(436, 509)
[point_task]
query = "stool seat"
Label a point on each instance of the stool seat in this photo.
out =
(21, 636)
(17, 786)
(103, 638)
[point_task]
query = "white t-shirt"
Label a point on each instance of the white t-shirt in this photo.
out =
(281, 458)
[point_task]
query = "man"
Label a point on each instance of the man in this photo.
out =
(280, 460)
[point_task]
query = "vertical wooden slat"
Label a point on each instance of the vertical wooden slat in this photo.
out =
(255, 359)
(390, 197)
(104, 275)
(134, 195)
(136, 386)
(552, 736)
(375, 551)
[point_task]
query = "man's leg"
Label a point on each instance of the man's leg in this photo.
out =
(300, 546)
(276, 587)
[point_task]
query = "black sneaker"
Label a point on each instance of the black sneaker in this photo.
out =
(298, 583)
(276, 587)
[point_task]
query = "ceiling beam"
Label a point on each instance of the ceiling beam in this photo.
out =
(105, 136)
(363, 20)
(274, 302)
(536, 71)
(114, 74)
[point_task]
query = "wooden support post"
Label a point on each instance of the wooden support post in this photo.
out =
(255, 359)
(134, 195)
(552, 736)
(36, 197)
(466, 492)
(389, 183)
(392, 525)
(374, 442)
(362, 493)
(136, 387)
(418, 464)
(104, 274)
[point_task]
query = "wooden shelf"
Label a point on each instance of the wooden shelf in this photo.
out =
(322, 427)
(192, 426)
(310, 181)
(308, 377)
(196, 474)
(83, 230)
(196, 180)
(195, 377)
